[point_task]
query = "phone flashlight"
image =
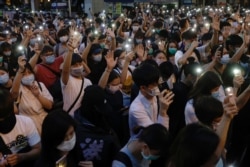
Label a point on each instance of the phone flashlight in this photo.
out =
(237, 72)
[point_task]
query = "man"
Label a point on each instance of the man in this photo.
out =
(144, 110)
(19, 141)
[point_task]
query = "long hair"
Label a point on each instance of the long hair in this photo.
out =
(54, 128)
(194, 146)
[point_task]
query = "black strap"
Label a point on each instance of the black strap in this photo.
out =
(53, 71)
(73, 104)
(4, 148)
(122, 157)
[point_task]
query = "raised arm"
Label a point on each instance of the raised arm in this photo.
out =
(128, 59)
(33, 60)
(188, 53)
(111, 62)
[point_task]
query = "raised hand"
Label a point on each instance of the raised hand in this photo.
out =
(111, 62)
(22, 62)
(230, 109)
(166, 98)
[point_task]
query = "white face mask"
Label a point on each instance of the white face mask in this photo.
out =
(135, 28)
(97, 58)
(8, 53)
(121, 63)
(67, 145)
(64, 38)
(159, 61)
(114, 89)
(28, 80)
(153, 92)
(225, 59)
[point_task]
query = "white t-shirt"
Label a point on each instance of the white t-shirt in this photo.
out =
(71, 91)
(23, 134)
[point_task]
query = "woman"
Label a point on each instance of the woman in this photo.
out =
(58, 142)
(159, 57)
(97, 140)
(150, 143)
(33, 97)
(208, 84)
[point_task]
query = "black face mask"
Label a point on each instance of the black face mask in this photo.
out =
(8, 123)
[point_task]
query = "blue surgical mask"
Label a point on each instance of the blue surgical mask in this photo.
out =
(149, 157)
(225, 59)
(77, 72)
(28, 80)
(4, 79)
(50, 59)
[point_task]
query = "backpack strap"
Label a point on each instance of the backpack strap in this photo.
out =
(123, 157)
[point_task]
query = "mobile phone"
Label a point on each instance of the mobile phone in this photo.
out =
(230, 92)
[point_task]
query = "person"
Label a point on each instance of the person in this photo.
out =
(32, 97)
(58, 140)
(198, 145)
(5, 80)
(97, 140)
(144, 110)
(208, 84)
(150, 143)
(72, 80)
(20, 141)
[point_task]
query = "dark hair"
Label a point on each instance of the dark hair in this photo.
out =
(193, 146)
(46, 49)
(183, 22)
(145, 74)
(208, 108)
(156, 136)
(208, 81)
(189, 35)
(5, 45)
(113, 75)
(158, 52)
(54, 128)
(166, 69)
(233, 40)
(190, 68)
(76, 58)
(6, 103)
(228, 75)
(62, 32)
(224, 24)
(118, 52)
(93, 107)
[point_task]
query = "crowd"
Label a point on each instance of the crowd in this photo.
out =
(150, 87)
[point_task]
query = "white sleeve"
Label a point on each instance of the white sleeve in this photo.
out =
(45, 93)
(116, 163)
(190, 116)
(32, 133)
(164, 121)
(177, 56)
(201, 50)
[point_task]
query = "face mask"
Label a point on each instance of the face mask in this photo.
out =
(67, 145)
(9, 41)
(102, 45)
(172, 51)
(97, 58)
(121, 63)
(32, 41)
(170, 83)
(153, 92)
(135, 28)
(14, 39)
(138, 41)
(64, 39)
(149, 157)
(157, 31)
(225, 59)
(50, 59)
(8, 123)
(7, 53)
(159, 61)
(77, 71)
(4, 79)
(114, 89)
(217, 95)
(1, 59)
(150, 51)
(187, 46)
(221, 38)
(28, 80)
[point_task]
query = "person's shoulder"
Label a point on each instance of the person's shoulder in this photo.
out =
(87, 81)
(23, 118)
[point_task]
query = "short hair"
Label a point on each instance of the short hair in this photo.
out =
(233, 40)
(156, 136)
(62, 32)
(224, 24)
(189, 34)
(145, 74)
(208, 108)
(76, 58)
(113, 75)
(166, 69)
(46, 49)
